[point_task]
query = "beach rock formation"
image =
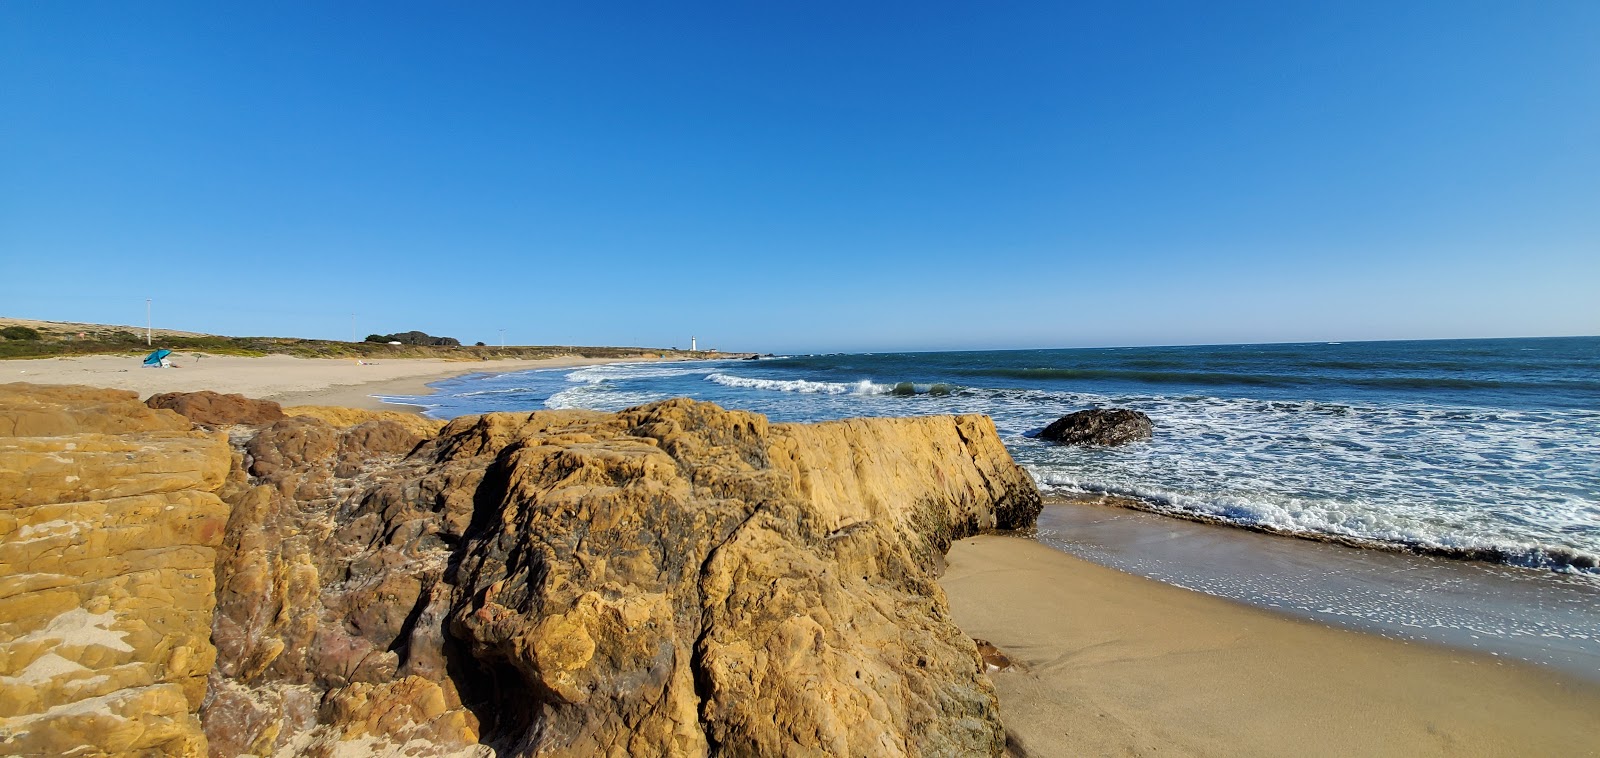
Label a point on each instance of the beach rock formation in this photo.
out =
(109, 521)
(674, 579)
(216, 409)
(417, 423)
(1100, 426)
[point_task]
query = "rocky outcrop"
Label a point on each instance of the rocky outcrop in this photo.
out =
(215, 409)
(320, 571)
(1100, 426)
(45, 410)
(675, 579)
(416, 423)
(108, 524)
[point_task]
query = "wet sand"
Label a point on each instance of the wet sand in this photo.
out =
(1115, 664)
(286, 379)
(1534, 615)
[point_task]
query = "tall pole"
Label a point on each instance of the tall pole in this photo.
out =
(147, 341)
(352, 327)
(502, 338)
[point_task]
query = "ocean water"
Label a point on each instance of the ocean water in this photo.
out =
(1483, 449)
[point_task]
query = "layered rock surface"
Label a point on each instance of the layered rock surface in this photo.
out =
(675, 579)
(108, 524)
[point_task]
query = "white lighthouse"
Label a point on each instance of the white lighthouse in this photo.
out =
(692, 348)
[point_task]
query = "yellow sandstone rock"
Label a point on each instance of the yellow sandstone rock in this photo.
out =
(417, 424)
(109, 520)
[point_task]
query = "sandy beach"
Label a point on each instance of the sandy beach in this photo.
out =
(288, 380)
(1115, 664)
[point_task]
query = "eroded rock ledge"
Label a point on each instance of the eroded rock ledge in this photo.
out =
(674, 579)
(109, 520)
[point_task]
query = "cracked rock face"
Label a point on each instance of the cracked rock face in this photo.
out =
(674, 579)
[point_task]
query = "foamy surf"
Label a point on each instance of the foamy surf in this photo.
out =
(612, 372)
(1350, 524)
(802, 386)
(859, 387)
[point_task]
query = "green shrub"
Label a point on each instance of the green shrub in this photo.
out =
(19, 333)
(415, 338)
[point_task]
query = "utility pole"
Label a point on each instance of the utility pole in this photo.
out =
(147, 341)
(502, 338)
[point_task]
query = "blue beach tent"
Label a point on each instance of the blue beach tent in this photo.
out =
(157, 359)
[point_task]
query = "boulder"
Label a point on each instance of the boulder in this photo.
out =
(1100, 426)
(215, 409)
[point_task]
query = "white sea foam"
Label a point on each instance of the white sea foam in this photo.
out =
(863, 387)
(499, 391)
(1357, 521)
(600, 398)
(611, 372)
(1452, 481)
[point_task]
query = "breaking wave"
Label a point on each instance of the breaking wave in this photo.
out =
(807, 387)
(803, 386)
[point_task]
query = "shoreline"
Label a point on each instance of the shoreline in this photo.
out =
(1532, 615)
(1549, 558)
(287, 380)
(1114, 663)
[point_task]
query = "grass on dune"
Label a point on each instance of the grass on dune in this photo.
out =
(102, 341)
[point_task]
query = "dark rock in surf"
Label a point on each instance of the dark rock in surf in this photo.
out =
(1101, 426)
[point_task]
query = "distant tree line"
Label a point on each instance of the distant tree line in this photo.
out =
(414, 338)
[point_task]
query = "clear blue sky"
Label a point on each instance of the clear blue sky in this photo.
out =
(806, 176)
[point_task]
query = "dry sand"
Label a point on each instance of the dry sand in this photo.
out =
(288, 380)
(1116, 664)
